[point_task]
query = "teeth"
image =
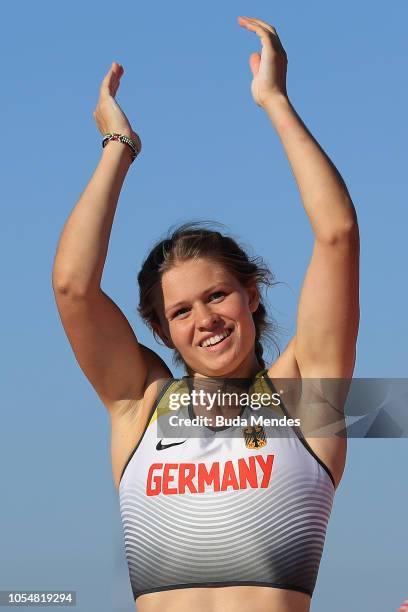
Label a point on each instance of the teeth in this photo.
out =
(215, 339)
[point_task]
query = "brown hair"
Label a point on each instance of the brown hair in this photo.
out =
(194, 241)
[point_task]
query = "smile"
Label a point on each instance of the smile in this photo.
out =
(216, 339)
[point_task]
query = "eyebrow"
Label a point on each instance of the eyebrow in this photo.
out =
(174, 306)
(206, 292)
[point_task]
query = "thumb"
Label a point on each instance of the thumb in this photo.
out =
(254, 61)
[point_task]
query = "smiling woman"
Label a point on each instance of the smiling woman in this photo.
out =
(197, 271)
(230, 517)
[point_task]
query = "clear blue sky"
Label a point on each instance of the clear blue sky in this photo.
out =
(208, 152)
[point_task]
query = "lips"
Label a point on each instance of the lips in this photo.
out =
(215, 339)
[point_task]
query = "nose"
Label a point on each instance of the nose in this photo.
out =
(206, 318)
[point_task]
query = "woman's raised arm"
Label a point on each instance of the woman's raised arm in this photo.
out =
(103, 341)
(328, 312)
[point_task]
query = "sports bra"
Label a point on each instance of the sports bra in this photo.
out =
(226, 506)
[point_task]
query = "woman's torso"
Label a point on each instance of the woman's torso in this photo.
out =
(126, 434)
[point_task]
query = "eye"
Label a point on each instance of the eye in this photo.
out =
(216, 295)
(179, 313)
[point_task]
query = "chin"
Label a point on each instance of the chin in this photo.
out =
(221, 366)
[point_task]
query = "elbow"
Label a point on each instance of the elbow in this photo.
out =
(65, 288)
(346, 233)
(59, 286)
(338, 224)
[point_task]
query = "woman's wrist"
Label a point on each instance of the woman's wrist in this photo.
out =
(276, 105)
(134, 143)
(284, 117)
(118, 152)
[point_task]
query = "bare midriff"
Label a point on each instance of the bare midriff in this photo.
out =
(225, 599)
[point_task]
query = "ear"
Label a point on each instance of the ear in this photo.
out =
(159, 331)
(253, 297)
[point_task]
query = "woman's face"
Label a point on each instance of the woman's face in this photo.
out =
(206, 314)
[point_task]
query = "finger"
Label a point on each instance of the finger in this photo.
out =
(263, 34)
(118, 76)
(255, 24)
(115, 86)
(265, 25)
(107, 83)
(254, 61)
(270, 28)
(111, 80)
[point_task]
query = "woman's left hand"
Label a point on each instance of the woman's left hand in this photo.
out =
(268, 67)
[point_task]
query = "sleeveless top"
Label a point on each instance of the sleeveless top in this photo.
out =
(230, 506)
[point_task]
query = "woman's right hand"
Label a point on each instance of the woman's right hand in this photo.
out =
(108, 115)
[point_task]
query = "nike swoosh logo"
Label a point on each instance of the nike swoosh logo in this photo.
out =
(160, 446)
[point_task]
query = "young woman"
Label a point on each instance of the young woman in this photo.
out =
(229, 520)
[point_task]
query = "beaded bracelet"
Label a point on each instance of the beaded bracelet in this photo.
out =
(122, 138)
